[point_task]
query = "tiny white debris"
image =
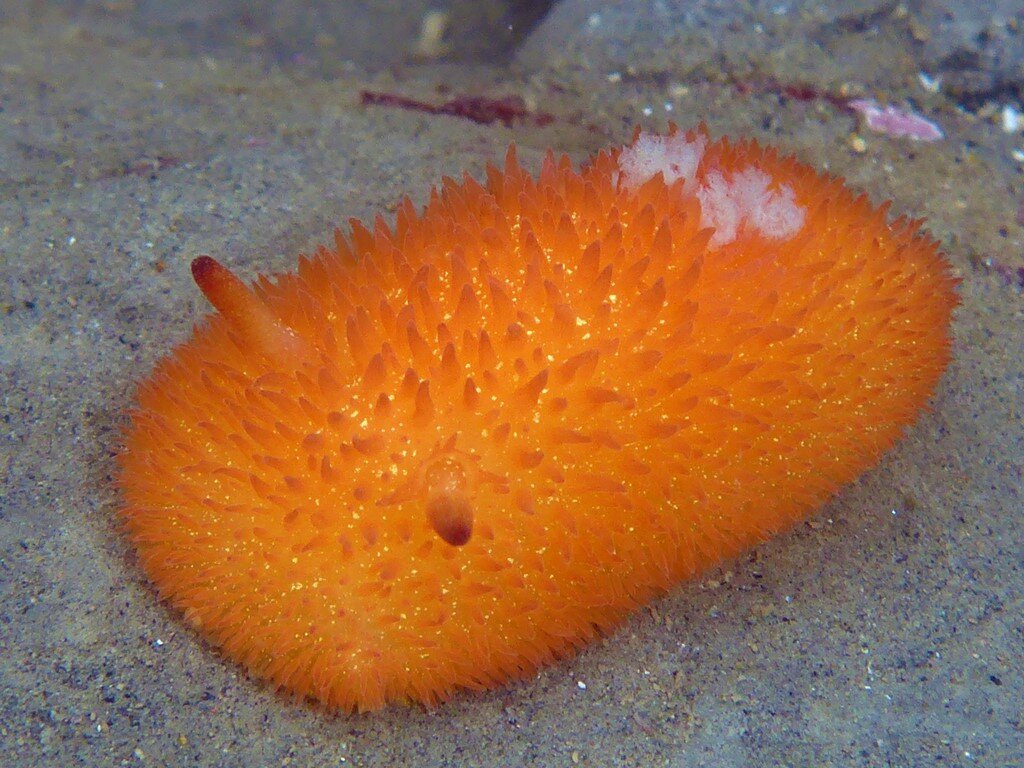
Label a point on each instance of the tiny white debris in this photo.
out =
(929, 83)
(1017, 154)
(1012, 119)
(581, 685)
(647, 111)
(430, 43)
(614, 77)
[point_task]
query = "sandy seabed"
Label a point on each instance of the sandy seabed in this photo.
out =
(885, 631)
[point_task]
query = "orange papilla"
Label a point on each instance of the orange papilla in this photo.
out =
(446, 452)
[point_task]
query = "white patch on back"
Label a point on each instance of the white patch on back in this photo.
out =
(744, 199)
(674, 156)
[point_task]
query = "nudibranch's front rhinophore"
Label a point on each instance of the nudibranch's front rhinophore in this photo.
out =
(449, 451)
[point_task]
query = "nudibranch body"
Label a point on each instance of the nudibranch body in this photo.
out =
(448, 451)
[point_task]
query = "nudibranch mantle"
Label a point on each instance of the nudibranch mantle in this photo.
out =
(447, 451)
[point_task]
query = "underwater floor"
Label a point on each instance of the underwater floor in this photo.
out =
(134, 136)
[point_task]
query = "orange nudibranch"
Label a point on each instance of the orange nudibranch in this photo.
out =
(449, 450)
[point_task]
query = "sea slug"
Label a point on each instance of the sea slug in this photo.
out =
(448, 451)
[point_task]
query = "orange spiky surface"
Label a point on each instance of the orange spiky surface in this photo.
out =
(449, 451)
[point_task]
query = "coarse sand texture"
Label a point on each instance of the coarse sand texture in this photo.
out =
(448, 451)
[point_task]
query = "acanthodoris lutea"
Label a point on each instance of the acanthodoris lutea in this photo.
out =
(450, 450)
